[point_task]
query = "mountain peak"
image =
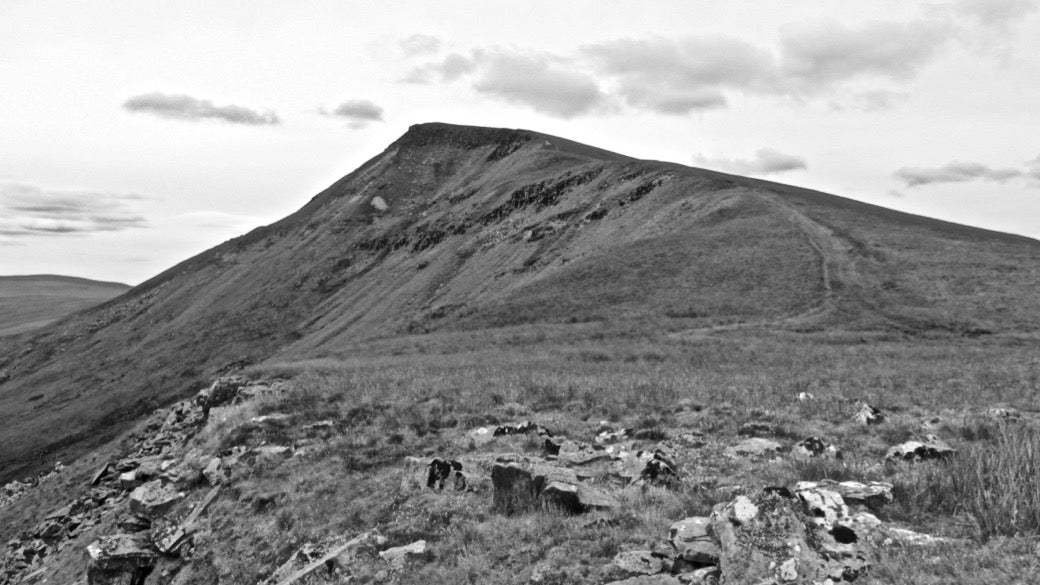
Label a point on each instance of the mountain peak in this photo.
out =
(433, 133)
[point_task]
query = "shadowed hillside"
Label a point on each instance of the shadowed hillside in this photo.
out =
(460, 229)
(31, 302)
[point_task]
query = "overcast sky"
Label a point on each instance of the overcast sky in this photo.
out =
(136, 134)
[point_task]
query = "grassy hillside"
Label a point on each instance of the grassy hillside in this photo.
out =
(460, 229)
(30, 302)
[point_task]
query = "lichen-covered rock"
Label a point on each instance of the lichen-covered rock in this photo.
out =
(773, 537)
(638, 562)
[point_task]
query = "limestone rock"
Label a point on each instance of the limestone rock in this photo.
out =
(118, 557)
(154, 499)
(755, 447)
(868, 415)
(692, 540)
(773, 538)
(638, 562)
(872, 493)
(397, 558)
(931, 448)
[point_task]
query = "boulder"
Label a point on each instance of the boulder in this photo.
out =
(647, 466)
(154, 499)
(523, 483)
(701, 576)
(929, 449)
(633, 563)
(122, 558)
(873, 494)
(755, 447)
(815, 447)
(575, 498)
(868, 415)
(397, 558)
(692, 540)
(774, 537)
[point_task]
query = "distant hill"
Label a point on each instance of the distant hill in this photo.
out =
(33, 301)
(456, 228)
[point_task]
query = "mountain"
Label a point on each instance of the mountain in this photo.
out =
(32, 301)
(464, 229)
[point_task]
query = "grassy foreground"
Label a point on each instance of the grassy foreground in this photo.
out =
(419, 396)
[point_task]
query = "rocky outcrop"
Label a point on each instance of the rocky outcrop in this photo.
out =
(524, 483)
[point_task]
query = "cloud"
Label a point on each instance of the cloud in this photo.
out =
(419, 44)
(995, 14)
(1033, 167)
(358, 113)
(27, 210)
(827, 52)
(186, 107)
(766, 161)
(447, 70)
(954, 172)
(542, 82)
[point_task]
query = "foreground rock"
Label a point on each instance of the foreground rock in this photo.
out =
(523, 483)
(693, 542)
(120, 559)
(772, 537)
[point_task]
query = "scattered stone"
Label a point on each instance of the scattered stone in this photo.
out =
(638, 562)
(445, 472)
(578, 453)
(120, 558)
(868, 415)
(154, 499)
(692, 540)
(815, 447)
(608, 435)
(755, 447)
(931, 448)
(805, 396)
(757, 429)
(873, 494)
(397, 558)
(304, 562)
(656, 466)
(1004, 414)
(658, 579)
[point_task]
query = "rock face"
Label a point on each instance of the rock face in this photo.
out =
(778, 538)
(931, 448)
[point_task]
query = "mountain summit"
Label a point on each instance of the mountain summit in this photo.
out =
(456, 228)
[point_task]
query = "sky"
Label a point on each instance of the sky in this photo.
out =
(136, 134)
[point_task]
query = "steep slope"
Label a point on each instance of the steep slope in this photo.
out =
(469, 228)
(33, 301)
